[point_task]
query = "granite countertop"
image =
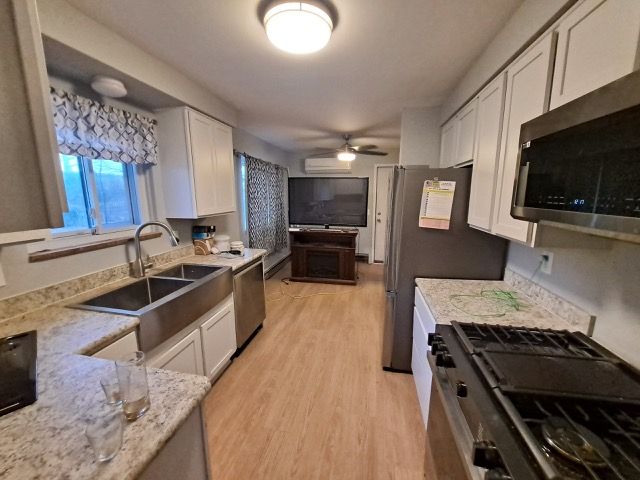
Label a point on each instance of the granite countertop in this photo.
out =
(250, 254)
(467, 306)
(46, 439)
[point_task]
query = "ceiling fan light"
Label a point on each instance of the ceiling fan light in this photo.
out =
(346, 156)
(298, 27)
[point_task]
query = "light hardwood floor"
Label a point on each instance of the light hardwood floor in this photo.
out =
(308, 398)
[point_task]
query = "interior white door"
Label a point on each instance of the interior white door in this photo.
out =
(527, 94)
(383, 190)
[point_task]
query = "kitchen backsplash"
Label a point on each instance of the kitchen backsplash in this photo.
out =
(549, 300)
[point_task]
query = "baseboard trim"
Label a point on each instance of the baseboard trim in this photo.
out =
(276, 267)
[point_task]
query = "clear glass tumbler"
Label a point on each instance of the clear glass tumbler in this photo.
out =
(134, 389)
(104, 431)
(111, 387)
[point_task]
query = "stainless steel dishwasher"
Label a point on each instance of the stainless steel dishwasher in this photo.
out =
(249, 299)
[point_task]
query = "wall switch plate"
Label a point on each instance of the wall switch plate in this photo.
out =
(546, 262)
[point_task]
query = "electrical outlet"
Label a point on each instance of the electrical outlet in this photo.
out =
(546, 259)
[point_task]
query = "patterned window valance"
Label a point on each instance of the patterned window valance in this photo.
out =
(91, 129)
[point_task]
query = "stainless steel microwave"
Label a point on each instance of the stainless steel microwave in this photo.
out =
(579, 164)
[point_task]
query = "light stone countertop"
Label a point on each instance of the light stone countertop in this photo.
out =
(438, 295)
(250, 254)
(46, 439)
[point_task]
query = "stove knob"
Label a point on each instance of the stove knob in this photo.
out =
(444, 360)
(433, 337)
(461, 389)
(438, 346)
(497, 474)
(486, 455)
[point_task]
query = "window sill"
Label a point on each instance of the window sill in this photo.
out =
(53, 253)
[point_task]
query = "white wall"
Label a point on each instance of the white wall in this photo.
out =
(362, 166)
(605, 281)
(64, 23)
(524, 24)
(420, 136)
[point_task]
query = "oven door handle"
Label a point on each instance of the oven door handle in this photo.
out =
(461, 432)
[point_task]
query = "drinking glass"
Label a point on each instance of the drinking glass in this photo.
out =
(134, 389)
(104, 431)
(111, 387)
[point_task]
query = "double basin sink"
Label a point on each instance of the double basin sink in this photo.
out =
(168, 301)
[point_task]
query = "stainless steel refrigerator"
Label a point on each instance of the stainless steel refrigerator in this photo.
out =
(460, 252)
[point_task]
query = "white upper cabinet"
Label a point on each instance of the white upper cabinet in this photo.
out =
(448, 143)
(466, 132)
(597, 44)
(490, 106)
(527, 96)
(196, 158)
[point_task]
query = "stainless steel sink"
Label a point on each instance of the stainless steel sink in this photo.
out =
(166, 305)
(132, 298)
(189, 271)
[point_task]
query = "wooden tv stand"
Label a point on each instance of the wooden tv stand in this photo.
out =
(324, 256)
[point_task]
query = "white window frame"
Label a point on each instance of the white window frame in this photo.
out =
(96, 215)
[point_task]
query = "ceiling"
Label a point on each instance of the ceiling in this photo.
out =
(384, 56)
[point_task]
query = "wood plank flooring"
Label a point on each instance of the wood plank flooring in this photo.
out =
(308, 398)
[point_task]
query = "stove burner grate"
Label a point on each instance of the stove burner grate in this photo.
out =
(575, 442)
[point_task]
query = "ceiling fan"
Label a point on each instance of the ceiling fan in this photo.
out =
(348, 152)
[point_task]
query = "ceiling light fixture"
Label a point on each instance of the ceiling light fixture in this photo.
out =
(298, 27)
(346, 156)
(108, 87)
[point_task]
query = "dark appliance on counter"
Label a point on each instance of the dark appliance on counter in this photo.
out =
(525, 403)
(18, 386)
(461, 252)
(579, 164)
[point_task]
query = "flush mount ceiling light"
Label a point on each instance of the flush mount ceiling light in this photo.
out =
(108, 87)
(298, 27)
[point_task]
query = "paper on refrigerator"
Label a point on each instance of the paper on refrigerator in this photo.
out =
(436, 204)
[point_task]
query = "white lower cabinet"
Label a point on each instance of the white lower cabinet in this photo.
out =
(184, 357)
(203, 348)
(218, 339)
(423, 324)
(120, 348)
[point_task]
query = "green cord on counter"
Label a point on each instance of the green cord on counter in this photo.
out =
(508, 299)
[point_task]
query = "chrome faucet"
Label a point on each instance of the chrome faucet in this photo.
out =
(138, 266)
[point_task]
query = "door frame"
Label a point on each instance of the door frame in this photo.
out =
(375, 206)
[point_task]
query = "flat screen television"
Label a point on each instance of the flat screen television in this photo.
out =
(334, 201)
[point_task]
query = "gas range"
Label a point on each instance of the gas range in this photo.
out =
(540, 404)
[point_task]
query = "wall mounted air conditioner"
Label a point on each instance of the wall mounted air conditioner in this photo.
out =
(326, 165)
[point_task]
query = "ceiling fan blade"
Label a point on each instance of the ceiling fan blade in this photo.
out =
(328, 154)
(365, 147)
(372, 152)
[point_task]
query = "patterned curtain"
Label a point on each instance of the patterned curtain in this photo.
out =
(90, 129)
(266, 205)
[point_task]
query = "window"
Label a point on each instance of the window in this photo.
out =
(101, 196)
